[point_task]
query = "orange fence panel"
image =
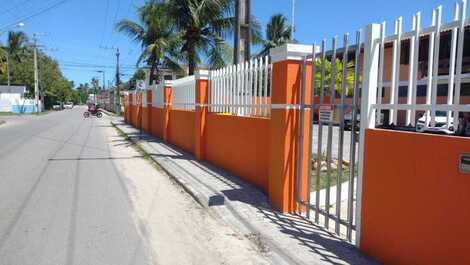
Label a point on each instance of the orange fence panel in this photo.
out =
(240, 145)
(415, 202)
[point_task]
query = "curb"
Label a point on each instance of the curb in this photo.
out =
(226, 213)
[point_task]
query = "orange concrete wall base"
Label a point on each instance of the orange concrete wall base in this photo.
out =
(240, 145)
(415, 202)
(145, 119)
(181, 129)
(156, 124)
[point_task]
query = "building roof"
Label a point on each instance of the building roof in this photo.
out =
(13, 89)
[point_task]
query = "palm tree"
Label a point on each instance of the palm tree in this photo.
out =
(16, 46)
(278, 32)
(16, 43)
(156, 36)
(203, 25)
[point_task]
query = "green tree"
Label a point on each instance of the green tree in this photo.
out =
(203, 25)
(338, 77)
(278, 32)
(156, 36)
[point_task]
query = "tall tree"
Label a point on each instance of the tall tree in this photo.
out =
(156, 36)
(278, 32)
(204, 24)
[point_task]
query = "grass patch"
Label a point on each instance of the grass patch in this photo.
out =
(324, 175)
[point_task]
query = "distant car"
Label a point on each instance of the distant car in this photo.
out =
(68, 105)
(57, 106)
(348, 120)
(440, 126)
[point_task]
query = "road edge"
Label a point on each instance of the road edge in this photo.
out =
(276, 255)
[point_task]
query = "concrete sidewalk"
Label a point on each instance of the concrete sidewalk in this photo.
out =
(285, 239)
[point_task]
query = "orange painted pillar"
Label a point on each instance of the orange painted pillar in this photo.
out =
(149, 109)
(167, 93)
(131, 108)
(202, 99)
(285, 99)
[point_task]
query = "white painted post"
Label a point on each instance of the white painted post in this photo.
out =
(368, 98)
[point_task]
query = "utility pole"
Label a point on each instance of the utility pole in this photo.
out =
(292, 27)
(36, 78)
(8, 68)
(117, 97)
(242, 31)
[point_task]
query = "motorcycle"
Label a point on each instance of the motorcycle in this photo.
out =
(97, 113)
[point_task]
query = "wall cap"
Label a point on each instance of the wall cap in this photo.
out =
(168, 83)
(202, 74)
(291, 51)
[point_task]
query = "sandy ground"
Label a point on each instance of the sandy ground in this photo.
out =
(173, 227)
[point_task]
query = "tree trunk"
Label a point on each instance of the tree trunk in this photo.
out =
(191, 59)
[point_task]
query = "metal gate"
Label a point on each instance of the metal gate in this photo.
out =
(332, 136)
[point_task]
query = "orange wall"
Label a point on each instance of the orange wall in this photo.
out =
(156, 124)
(145, 119)
(240, 146)
(181, 129)
(415, 203)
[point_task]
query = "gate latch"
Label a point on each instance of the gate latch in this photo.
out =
(464, 163)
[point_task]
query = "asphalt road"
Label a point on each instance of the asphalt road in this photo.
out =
(72, 191)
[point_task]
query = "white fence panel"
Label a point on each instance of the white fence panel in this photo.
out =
(427, 72)
(158, 96)
(242, 89)
(184, 93)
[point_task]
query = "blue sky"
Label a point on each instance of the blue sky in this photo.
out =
(76, 31)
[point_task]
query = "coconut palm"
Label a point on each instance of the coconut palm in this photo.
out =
(16, 44)
(278, 32)
(204, 24)
(156, 36)
(15, 47)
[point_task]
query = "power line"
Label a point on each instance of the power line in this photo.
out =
(40, 12)
(14, 7)
(105, 22)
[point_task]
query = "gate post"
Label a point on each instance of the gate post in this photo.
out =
(202, 91)
(368, 98)
(167, 92)
(287, 61)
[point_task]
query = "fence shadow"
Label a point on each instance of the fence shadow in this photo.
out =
(229, 189)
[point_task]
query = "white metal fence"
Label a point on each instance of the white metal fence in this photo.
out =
(184, 93)
(158, 96)
(243, 89)
(442, 65)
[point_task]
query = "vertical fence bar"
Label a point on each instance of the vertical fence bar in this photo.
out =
(339, 168)
(380, 86)
(352, 151)
(320, 132)
(453, 48)
(310, 131)
(265, 92)
(329, 147)
(430, 65)
(414, 75)
(250, 87)
(435, 68)
(247, 88)
(411, 70)
(458, 71)
(300, 133)
(396, 70)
